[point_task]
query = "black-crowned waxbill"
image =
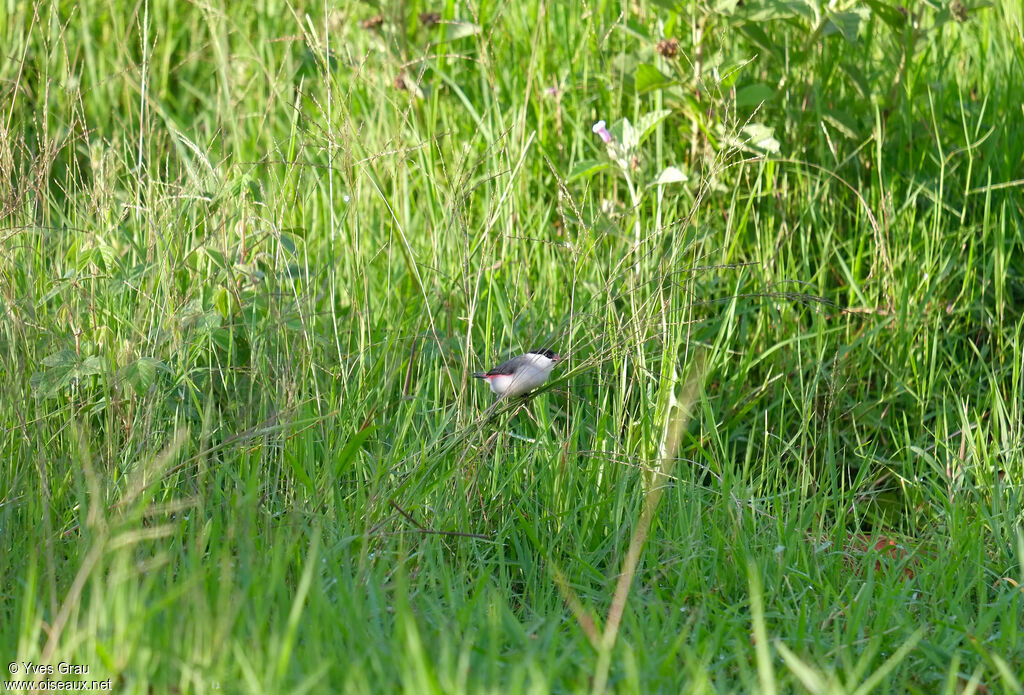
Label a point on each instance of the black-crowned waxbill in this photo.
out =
(521, 374)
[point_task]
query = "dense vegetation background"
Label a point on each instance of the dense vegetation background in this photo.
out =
(251, 253)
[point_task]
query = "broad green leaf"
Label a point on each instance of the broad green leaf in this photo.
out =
(670, 175)
(61, 358)
(51, 293)
(89, 366)
(194, 315)
(754, 95)
(190, 312)
(847, 23)
(771, 10)
(82, 260)
(141, 374)
(760, 38)
(624, 132)
(221, 338)
(649, 78)
(48, 382)
(62, 368)
(222, 302)
(649, 121)
(761, 137)
(458, 29)
(217, 257)
(287, 242)
(103, 256)
(888, 13)
(588, 167)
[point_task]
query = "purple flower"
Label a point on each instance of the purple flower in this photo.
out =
(552, 91)
(600, 129)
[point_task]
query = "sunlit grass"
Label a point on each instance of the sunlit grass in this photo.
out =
(249, 257)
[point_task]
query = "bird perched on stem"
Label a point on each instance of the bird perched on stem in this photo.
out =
(521, 374)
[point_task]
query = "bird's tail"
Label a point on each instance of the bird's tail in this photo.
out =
(479, 375)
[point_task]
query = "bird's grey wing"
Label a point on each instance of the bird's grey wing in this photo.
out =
(506, 367)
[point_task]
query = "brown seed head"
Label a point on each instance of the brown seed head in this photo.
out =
(668, 47)
(372, 23)
(429, 19)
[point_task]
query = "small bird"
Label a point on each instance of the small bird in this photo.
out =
(521, 374)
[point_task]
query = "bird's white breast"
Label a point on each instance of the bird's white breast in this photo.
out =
(533, 372)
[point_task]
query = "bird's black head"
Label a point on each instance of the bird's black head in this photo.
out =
(550, 354)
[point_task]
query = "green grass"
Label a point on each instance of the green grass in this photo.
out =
(244, 279)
